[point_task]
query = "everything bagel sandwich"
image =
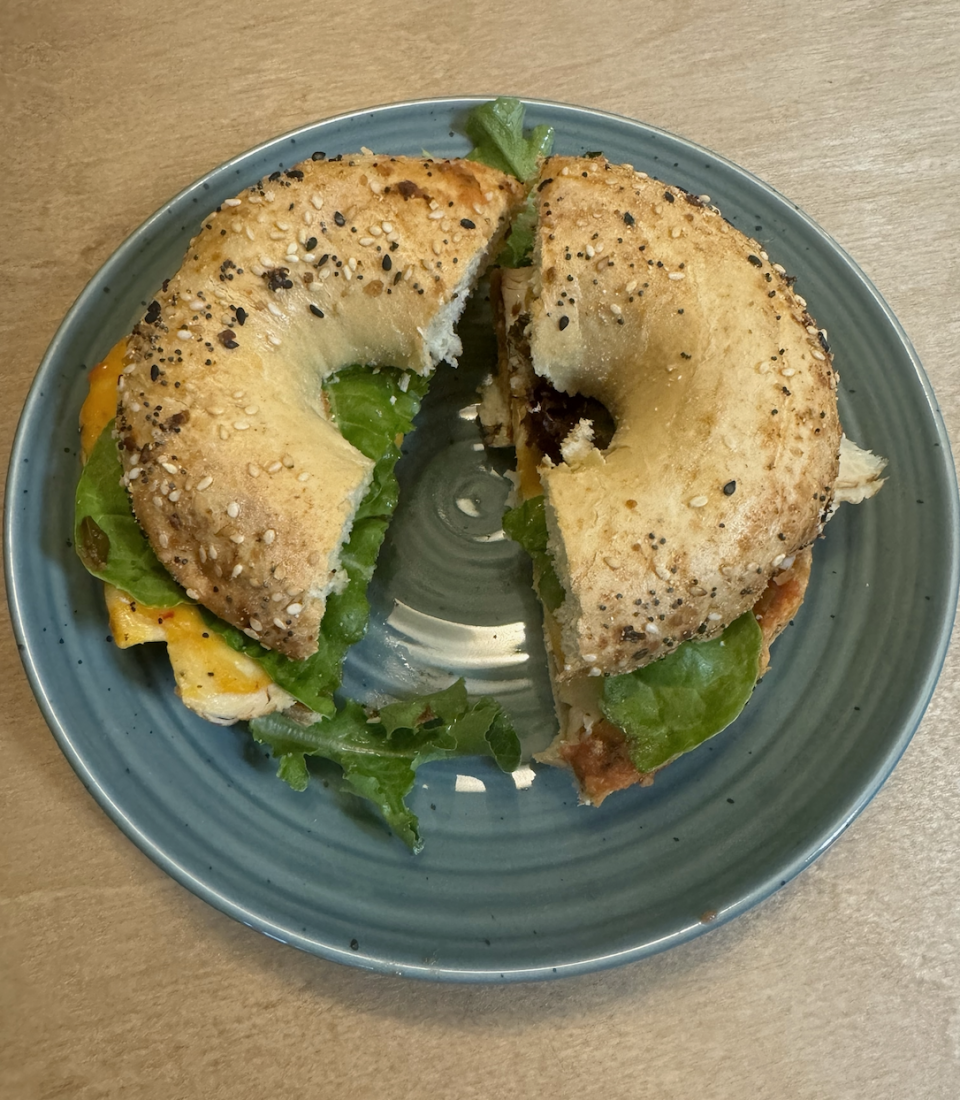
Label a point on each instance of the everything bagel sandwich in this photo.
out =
(673, 405)
(240, 448)
(670, 398)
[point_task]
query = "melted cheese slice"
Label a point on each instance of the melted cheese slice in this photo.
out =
(220, 684)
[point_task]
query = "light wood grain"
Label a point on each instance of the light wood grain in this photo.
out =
(114, 981)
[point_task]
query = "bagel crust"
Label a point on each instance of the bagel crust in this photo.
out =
(237, 475)
(724, 457)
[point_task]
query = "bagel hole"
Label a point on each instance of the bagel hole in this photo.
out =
(551, 415)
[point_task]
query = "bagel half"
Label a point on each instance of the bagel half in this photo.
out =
(727, 439)
(241, 481)
(674, 402)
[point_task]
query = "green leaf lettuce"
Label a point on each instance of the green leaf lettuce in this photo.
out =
(380, 757)
(107, 536)
(527, 525)
(496, 130)
(673, 705)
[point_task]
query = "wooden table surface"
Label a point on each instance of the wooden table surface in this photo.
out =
(115, 981)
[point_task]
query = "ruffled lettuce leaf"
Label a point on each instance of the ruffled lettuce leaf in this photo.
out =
(527, 525)
(379, 756)
(496, 130)
(673, 705)
(517, 250)
(108, 538)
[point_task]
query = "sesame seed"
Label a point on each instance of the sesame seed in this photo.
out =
(213, 553)
(269, 535)
(714, 616)
(317, 202)
(158, 502)
(164, 541)
(174, 496)
(615, 309)
(135, 472)
(818, 355)
(675, 275)
(169, 467)
(275, 310)
(697, 502)
(231, 202)
(233, 509)
(387, 227)
(287, 460)
(251, 410)
(204, 483)
(184, 334)
(294, 608)
(237, 539)
(241, 425)
(251, 633)
(256, 624)
(274, 467)
(303, 477)
(236, 571)
(279, 623)
(193, 594)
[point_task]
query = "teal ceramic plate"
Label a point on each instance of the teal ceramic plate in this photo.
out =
(516, 881)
